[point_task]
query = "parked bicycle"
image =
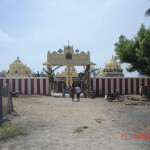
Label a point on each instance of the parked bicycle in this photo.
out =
(114, 96)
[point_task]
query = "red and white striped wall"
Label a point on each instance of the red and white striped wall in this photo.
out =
(39, 85)
(124, 85)
(28, 85)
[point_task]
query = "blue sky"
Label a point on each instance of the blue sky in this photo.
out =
(29, 28)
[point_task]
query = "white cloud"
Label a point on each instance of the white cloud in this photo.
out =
(6, 41)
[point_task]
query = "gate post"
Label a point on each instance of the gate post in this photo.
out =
(1, 107)
(9, 96)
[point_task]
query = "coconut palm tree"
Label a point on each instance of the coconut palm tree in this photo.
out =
(50, 73)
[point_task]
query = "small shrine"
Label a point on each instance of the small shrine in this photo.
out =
(61, 78)
(18, 69)
(112, 69)
(63, 74)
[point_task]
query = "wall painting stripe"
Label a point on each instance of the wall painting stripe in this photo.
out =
(32, 86)
(126, 86)
(100, 86)
(120, 86)
(13, 85)
(137, 86)
(103, 87)
(20, 85)
(132, 86)
(97, 87)
(23, 86)
(115, 86)
(44, 86)
(109, 86)
(91, 85)
(26, 86)
(38, 86)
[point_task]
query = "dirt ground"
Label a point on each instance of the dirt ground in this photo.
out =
(50, 123)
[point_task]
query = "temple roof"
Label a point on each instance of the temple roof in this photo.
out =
(113, 63)
(64, 73)
(112, 69)
(18, 69)
(68, 56)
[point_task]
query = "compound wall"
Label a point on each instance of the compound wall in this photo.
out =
(123, 85)
(39, 85)
(28, 85)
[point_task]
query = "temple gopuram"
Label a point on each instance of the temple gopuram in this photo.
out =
(69, 58)
(112, 69)
(18, 69)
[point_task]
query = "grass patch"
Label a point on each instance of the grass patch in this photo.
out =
(80, 129)
(7, 130)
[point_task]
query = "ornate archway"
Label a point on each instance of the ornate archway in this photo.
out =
(67, 57)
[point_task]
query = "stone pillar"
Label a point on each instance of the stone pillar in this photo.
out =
(49, 73)
(69, 77)
(88, 76)
(1, 107)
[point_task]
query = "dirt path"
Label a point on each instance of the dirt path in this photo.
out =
(50, 123)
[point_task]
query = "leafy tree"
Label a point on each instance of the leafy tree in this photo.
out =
(51, 75)
(94, 71)
(84, 76)
(88, 71)
(136, 51)
(37, 74)
(81, 76)
(3, 73)
(147, 13)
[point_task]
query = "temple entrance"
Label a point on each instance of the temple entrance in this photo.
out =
(69, 58)
(58, 85)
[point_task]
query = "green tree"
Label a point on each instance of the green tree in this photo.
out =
(3, 73)
(94, 71)
(136, 51)
(147, 13)
(42, 74)
(51, 75)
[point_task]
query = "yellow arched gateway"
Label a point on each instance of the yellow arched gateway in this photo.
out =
(69, 58)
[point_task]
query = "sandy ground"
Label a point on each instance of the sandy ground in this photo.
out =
(50, 122)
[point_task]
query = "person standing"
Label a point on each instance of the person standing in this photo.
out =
(69, 90)
(78, 91)
(141, 90)
(72, 92)
(63, 90)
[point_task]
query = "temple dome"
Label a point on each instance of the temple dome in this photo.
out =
(18, 69)
(112, 69)
(112, 63)
(73, 73)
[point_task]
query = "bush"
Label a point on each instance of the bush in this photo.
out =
(80, 129)
(7, 130)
